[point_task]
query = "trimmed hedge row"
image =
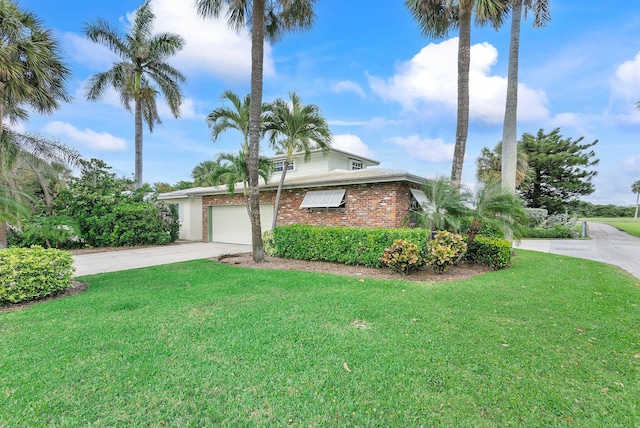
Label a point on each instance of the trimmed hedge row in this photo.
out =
(33, 273)
(348, 245)
(492, 252)
(557, 232)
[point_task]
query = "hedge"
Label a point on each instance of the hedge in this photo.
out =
(492, 252)
(33, 273)
(347, 245)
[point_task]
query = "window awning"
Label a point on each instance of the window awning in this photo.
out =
(421, 198)
(323, 199)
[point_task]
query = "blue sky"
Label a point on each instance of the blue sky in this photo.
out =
(388, 92)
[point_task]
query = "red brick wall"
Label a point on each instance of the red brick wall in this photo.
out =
(367, 205)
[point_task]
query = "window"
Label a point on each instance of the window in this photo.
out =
(419, 199)
(355, 164)
(279, 166)
(324, 199)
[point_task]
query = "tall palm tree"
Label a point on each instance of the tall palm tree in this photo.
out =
(295, 127)
(635, 188)
(269, 19)
(489, 165)
(540, 10)
(143, 61)
(437, 18)
(32, 78)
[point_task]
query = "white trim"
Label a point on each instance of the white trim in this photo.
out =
(421, 198)
(280, 164)
(323, 199)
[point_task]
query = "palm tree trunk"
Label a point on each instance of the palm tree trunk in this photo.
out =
(255, 112)
(276, 205)
(509, 130)
(138, 144)
(3, 224)
(464, 59)
(635, 217)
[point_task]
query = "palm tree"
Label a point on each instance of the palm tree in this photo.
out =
(540, 10)
(444, 208)
(635, 188)
(489, 165)
(436, 18)
(202, 173)
(295, 127)
(143, 60)
(493, 206)
(32, 78)
(232, 168)
(266, 19)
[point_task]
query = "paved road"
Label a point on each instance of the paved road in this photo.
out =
(111, 261)
(606, 244)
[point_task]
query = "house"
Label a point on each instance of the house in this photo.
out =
(334, 189)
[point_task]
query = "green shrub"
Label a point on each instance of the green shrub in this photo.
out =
(444, 250)
(492, 252)
(267, 241)
(347, 245)
(402, 256)
(33, 273)
(557, 232)
(536, 216)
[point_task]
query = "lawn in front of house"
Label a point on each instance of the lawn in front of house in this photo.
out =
(628, 224)
(553, 341)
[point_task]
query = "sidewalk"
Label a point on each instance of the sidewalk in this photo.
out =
(111, 261)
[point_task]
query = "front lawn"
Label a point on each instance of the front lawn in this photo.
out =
(629, 225)
(553, 341)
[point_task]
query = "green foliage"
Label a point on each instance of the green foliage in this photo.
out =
(556, 232)
(561, 170)
(33, 273)
(348, 245)
(587, 209)
(560, 220)
(492, 252)
(444, 206)
(402, 256)
(109, 214)
(444, 250)
(536, 216)
(52, 232)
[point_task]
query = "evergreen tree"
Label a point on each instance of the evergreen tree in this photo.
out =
(562, 170)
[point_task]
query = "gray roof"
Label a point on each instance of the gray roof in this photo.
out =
(337, 177)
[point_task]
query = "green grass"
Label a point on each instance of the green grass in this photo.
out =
(629, 225)
(552, 341)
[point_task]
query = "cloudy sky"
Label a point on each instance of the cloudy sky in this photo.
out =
(388, 92)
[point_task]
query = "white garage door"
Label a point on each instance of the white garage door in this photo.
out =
(230, 223)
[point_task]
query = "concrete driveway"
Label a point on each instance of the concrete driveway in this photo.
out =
(606, 244)
(111, 261)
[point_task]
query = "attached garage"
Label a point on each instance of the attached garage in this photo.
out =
(231, 224)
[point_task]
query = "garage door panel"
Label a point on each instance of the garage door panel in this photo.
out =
(231, 224)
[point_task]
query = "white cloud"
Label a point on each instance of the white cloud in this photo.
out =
(430, 150)
(625, 91)
(373, 123)
(348, 86)
(429, 81)
(88, 138)
(352, 144)
(210, 45)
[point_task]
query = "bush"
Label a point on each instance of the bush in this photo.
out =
(492, 252)
(444, 250)
(33, 273)
(402, 257)
(563, 220)
(557, 232)
(267, 241)
(536, 216)
(348, 245)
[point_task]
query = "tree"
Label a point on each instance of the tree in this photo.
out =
(510, 158)
(295, 127)
(143, 60)
(493, 206)
(444, 208)
(232, 168)
(436, 18)
(489, 165)
(561, 169)
(635, 188)
(203, 172)
(271, 19)
(32, 78)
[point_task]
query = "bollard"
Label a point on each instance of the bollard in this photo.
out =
(584, 229)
